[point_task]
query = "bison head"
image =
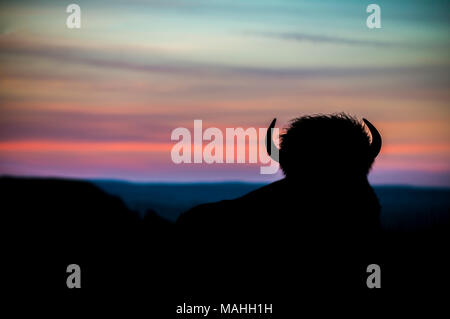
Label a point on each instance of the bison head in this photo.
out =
(326, 145)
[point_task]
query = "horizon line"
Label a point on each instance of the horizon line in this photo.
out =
(197, 182)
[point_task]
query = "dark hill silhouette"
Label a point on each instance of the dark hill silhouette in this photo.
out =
(51, 223)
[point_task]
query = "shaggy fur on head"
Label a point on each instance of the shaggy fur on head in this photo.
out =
(324, 145)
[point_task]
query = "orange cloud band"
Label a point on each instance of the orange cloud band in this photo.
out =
(55, 146)
(77, 146)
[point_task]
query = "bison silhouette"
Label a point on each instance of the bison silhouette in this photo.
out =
(323, 211)
(325, 159)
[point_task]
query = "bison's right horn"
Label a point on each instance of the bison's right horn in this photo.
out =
(375, 146)
(270, 145)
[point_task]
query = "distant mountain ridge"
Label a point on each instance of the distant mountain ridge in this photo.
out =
(403, 207)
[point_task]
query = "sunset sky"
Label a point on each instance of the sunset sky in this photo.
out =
(102, 101)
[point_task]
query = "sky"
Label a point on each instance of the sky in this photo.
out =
(101, 101)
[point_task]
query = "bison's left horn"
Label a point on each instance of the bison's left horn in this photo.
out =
(375, 146)
(270, 145)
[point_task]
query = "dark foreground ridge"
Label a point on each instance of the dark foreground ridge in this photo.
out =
(52, 223)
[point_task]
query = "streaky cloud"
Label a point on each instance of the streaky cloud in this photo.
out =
(326, 39)
(126, 61)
